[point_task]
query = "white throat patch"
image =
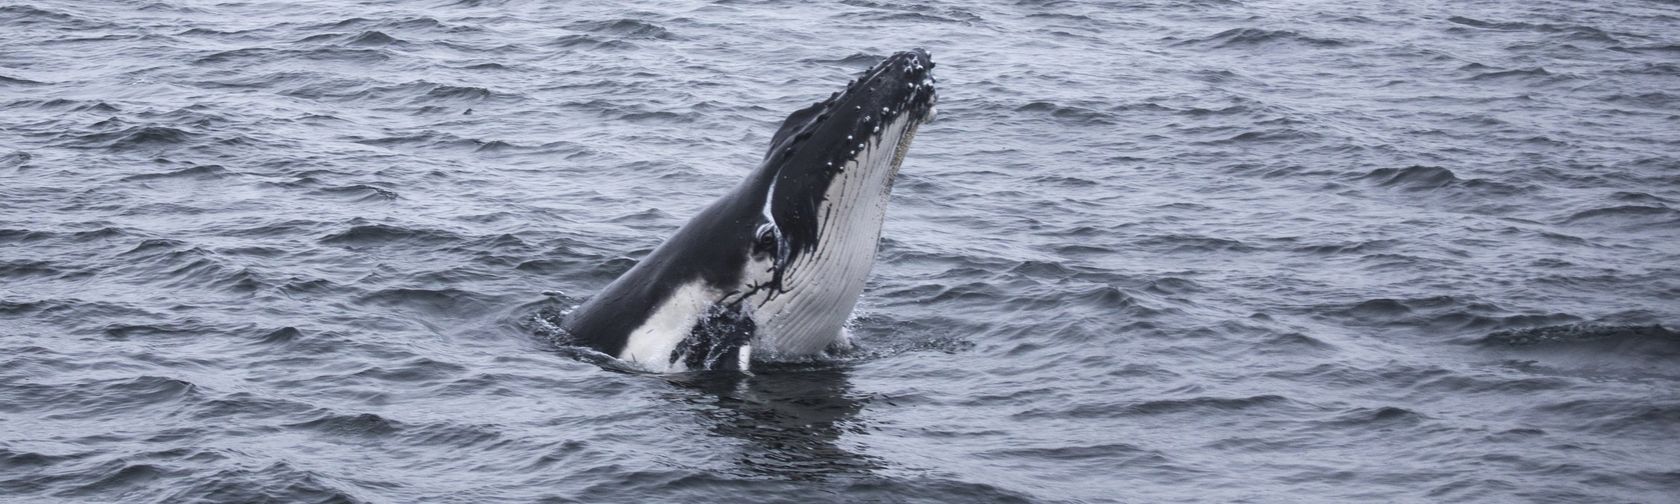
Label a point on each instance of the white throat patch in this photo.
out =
(650, 345)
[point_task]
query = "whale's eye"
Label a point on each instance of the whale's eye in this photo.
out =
(765, 242)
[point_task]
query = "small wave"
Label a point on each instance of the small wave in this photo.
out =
(1043, 269)
(436, 301)
(100, 234)
(1362, 248)
(1252, 37)
(17, 12)
(1526, 72)
(24, 268)
(210, 32)
(1105, 298)
(648, 216)
(1432, 178)
(1174, 286)
(1571, 32)
(487, 66)
(970, 291)
(1070, 113)
(151, 246)
(1653, 100)
(28, 460)
(15, 159)
(1413, 177)
(1594, 336)
(1491, 25)
(659, 116)
(134, 137)
(1179, 243)
(1386, 416)
(1196, 405)
(359, 192)
(627, 28)
(1638, 197)
(414, 370)
(496, 146)
(1173, 406)
(17, 235)
(458, 93)
(1536, 75)
(281, 336)
(236, 54)
(582, 41)
(354, 22)
(1461, 384)
(1123, 454)
(276, 482)
(1670, 48)
(372, 38)
(426, 138)
(201, 172)
(1232, 110)
(141, 391)
(855, 60)
(18, 81)
(1263, 136)
(359, 425)
(304, 287)
(320, 53)
(119, 476)
(126, 331)
(421, 23)
(1293, 343)
(1633, 417)
(1378, 309)
(877, 16)
(67, 104)
(1638, 215)
(372, 234)
(1441, 314)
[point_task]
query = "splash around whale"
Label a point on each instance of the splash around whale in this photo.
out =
(773, 268)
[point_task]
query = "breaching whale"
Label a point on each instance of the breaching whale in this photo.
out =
(774, 267)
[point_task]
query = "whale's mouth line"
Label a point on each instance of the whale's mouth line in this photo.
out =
(900, 150)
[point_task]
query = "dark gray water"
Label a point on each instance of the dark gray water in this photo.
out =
(1150, 251)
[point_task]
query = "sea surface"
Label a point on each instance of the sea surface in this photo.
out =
(1150, 251)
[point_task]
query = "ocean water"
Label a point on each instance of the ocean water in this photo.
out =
(1151, 251)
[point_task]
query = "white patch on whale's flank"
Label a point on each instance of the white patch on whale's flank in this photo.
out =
(744, 358)
(650, 345)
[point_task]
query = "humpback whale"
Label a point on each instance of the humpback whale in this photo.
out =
(773, 268)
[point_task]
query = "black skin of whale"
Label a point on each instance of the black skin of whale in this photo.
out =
(715, 245)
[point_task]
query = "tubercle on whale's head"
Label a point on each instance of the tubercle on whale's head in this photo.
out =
(885, 103)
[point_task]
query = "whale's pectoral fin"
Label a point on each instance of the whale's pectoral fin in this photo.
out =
(719, 340)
